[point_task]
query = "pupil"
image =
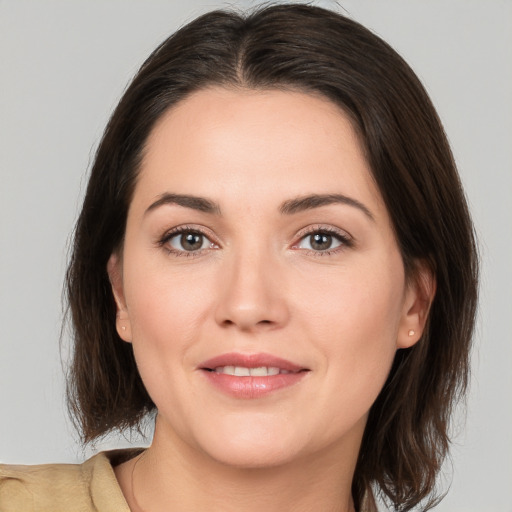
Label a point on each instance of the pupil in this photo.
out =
(191, 241)
(321, 241)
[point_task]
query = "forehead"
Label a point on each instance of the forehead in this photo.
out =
(255, 144)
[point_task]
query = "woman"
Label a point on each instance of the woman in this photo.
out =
(275, 255)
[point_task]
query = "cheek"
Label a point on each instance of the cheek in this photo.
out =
(165, 303)
(358, 303)
(353, 316)
(168, 310)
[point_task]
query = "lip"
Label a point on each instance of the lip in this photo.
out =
(251, 387)
(250, 361)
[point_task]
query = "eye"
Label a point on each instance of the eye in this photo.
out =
(187, 240)
(319, 242)
(323, 241)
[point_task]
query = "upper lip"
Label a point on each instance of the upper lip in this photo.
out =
(250, 361)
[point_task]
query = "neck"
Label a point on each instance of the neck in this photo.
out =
(171, 475)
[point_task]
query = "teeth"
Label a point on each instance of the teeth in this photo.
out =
(241, 371)
(263, 371)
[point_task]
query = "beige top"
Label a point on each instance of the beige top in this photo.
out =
(88, 487)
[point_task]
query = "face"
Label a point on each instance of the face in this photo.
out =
(260, 281)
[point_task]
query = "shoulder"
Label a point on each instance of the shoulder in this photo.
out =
(86, 487)
(34, 488)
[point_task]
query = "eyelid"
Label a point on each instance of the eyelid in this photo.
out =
(187, 228)
(345, 237)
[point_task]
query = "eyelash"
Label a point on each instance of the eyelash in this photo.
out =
(179, 231)
(345, 240)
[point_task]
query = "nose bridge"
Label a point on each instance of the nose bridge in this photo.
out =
(252, 289)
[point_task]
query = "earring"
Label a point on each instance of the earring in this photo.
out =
(124, 328)
(412, 333)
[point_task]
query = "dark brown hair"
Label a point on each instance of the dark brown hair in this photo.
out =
(296, 47)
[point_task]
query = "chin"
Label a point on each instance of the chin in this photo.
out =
(250, 444)
(256, 456)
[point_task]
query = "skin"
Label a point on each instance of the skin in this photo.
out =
(258, 285)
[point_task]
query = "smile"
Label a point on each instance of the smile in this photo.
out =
(250, 376)
(242, 371)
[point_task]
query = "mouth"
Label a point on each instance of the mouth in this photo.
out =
(251, 375)
(251, 365)
(243, 371)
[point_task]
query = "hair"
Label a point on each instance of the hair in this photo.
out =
(309, 49)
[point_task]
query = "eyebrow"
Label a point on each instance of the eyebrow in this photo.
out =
(187, 201)
(300, 204)
(289, 207)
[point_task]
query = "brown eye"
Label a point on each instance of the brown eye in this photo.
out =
(321, 241)
(189, 241)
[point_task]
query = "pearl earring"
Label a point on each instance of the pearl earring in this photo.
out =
(412, 333)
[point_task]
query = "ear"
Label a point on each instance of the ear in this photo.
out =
(419, 295)
(115, 274)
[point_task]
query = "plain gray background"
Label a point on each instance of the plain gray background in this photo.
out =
(64, 65)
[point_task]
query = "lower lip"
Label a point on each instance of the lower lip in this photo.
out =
(252, 387)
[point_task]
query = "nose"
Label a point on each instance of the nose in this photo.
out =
(252, 294)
